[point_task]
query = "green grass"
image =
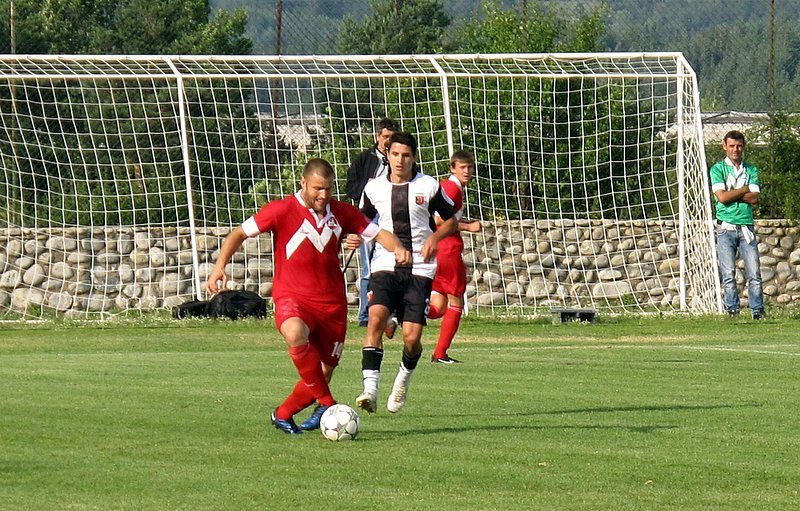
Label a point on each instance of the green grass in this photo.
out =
(625, 414)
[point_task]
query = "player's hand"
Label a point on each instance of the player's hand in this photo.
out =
(429, 249)
(214, 279)
(402, 256)
(353, 241)
(471, 225)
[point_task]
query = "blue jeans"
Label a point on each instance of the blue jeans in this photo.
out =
(365, 254)
(728, 242)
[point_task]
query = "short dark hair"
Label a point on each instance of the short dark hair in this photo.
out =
(319, 167)
(405, 138)
(462, 155)
(388, 124)
(735, 135)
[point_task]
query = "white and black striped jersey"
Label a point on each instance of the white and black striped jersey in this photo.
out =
(407, 210)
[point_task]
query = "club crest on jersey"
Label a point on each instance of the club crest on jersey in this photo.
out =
(419, 199)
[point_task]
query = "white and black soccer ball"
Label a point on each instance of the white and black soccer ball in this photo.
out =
(339, 422)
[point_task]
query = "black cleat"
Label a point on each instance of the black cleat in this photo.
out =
(445, 360)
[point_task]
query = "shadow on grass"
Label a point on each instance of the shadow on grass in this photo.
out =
(498, 422)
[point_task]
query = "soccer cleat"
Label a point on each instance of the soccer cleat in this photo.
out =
(313, 420)
(286, 425)
(391, 327)
(398, 396)
(444, 360)
(367, 401)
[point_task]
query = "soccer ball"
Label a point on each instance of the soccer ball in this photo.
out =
(339, 422)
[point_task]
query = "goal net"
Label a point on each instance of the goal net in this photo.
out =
(121, 175)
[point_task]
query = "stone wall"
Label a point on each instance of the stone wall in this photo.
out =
(84, 271)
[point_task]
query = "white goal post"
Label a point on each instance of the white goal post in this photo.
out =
(120, 175)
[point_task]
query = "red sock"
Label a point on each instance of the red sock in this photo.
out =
(452, 318)
(434, 312)
(309, 367)
(299, 399)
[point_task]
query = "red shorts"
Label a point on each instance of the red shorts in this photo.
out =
(451, 275)
(326, 321)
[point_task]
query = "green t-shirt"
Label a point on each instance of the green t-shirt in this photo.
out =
(725, 177)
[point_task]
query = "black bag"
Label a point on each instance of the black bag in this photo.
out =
(237, 304)
(229, 304)
(191, 309)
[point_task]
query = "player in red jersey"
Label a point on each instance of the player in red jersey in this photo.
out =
(308, 290)
(450, 281)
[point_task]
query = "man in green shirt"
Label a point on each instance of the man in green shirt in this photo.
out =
(736, 188)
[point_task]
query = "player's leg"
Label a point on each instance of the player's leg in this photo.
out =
(438, 304)
(306, 359)
(752, 269)
(372, 357)
(451, 281)
(415, 305)
(383, 298)
(727, 243)
(292, 323)
(450, 323)
(365, 253)
(327, 337)
(312, 422)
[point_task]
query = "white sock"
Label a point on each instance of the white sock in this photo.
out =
(403, 376)
(371, 378)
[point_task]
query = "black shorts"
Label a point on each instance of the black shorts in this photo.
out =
(403, 293)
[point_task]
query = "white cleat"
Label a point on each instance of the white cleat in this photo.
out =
(398, 396)
(367, 401)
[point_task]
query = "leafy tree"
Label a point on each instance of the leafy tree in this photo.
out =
(115, 145)
(395, 27)
(779, 166)
(124, 26)
(532, 28)
(509, 108)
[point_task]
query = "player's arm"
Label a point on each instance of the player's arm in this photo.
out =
(431, 245)
(752, 198)
(442, 206)
(391, 242)
(469, 225)
(730, 196)
(464, 224)
(229, 247)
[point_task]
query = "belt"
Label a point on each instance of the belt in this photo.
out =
(720, 222)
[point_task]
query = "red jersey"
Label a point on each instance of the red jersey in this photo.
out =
(453, 244)
(306, 246)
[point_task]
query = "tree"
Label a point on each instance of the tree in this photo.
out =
(395, 27)
(124, 26)
(531, 29)
(779, 166)
(124, 111)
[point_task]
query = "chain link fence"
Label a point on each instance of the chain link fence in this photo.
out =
(746, 53)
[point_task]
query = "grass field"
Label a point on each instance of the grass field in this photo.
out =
(629, 413)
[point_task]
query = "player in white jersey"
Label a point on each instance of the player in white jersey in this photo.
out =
(403, 203)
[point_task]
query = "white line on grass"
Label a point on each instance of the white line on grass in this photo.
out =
(738, 349)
